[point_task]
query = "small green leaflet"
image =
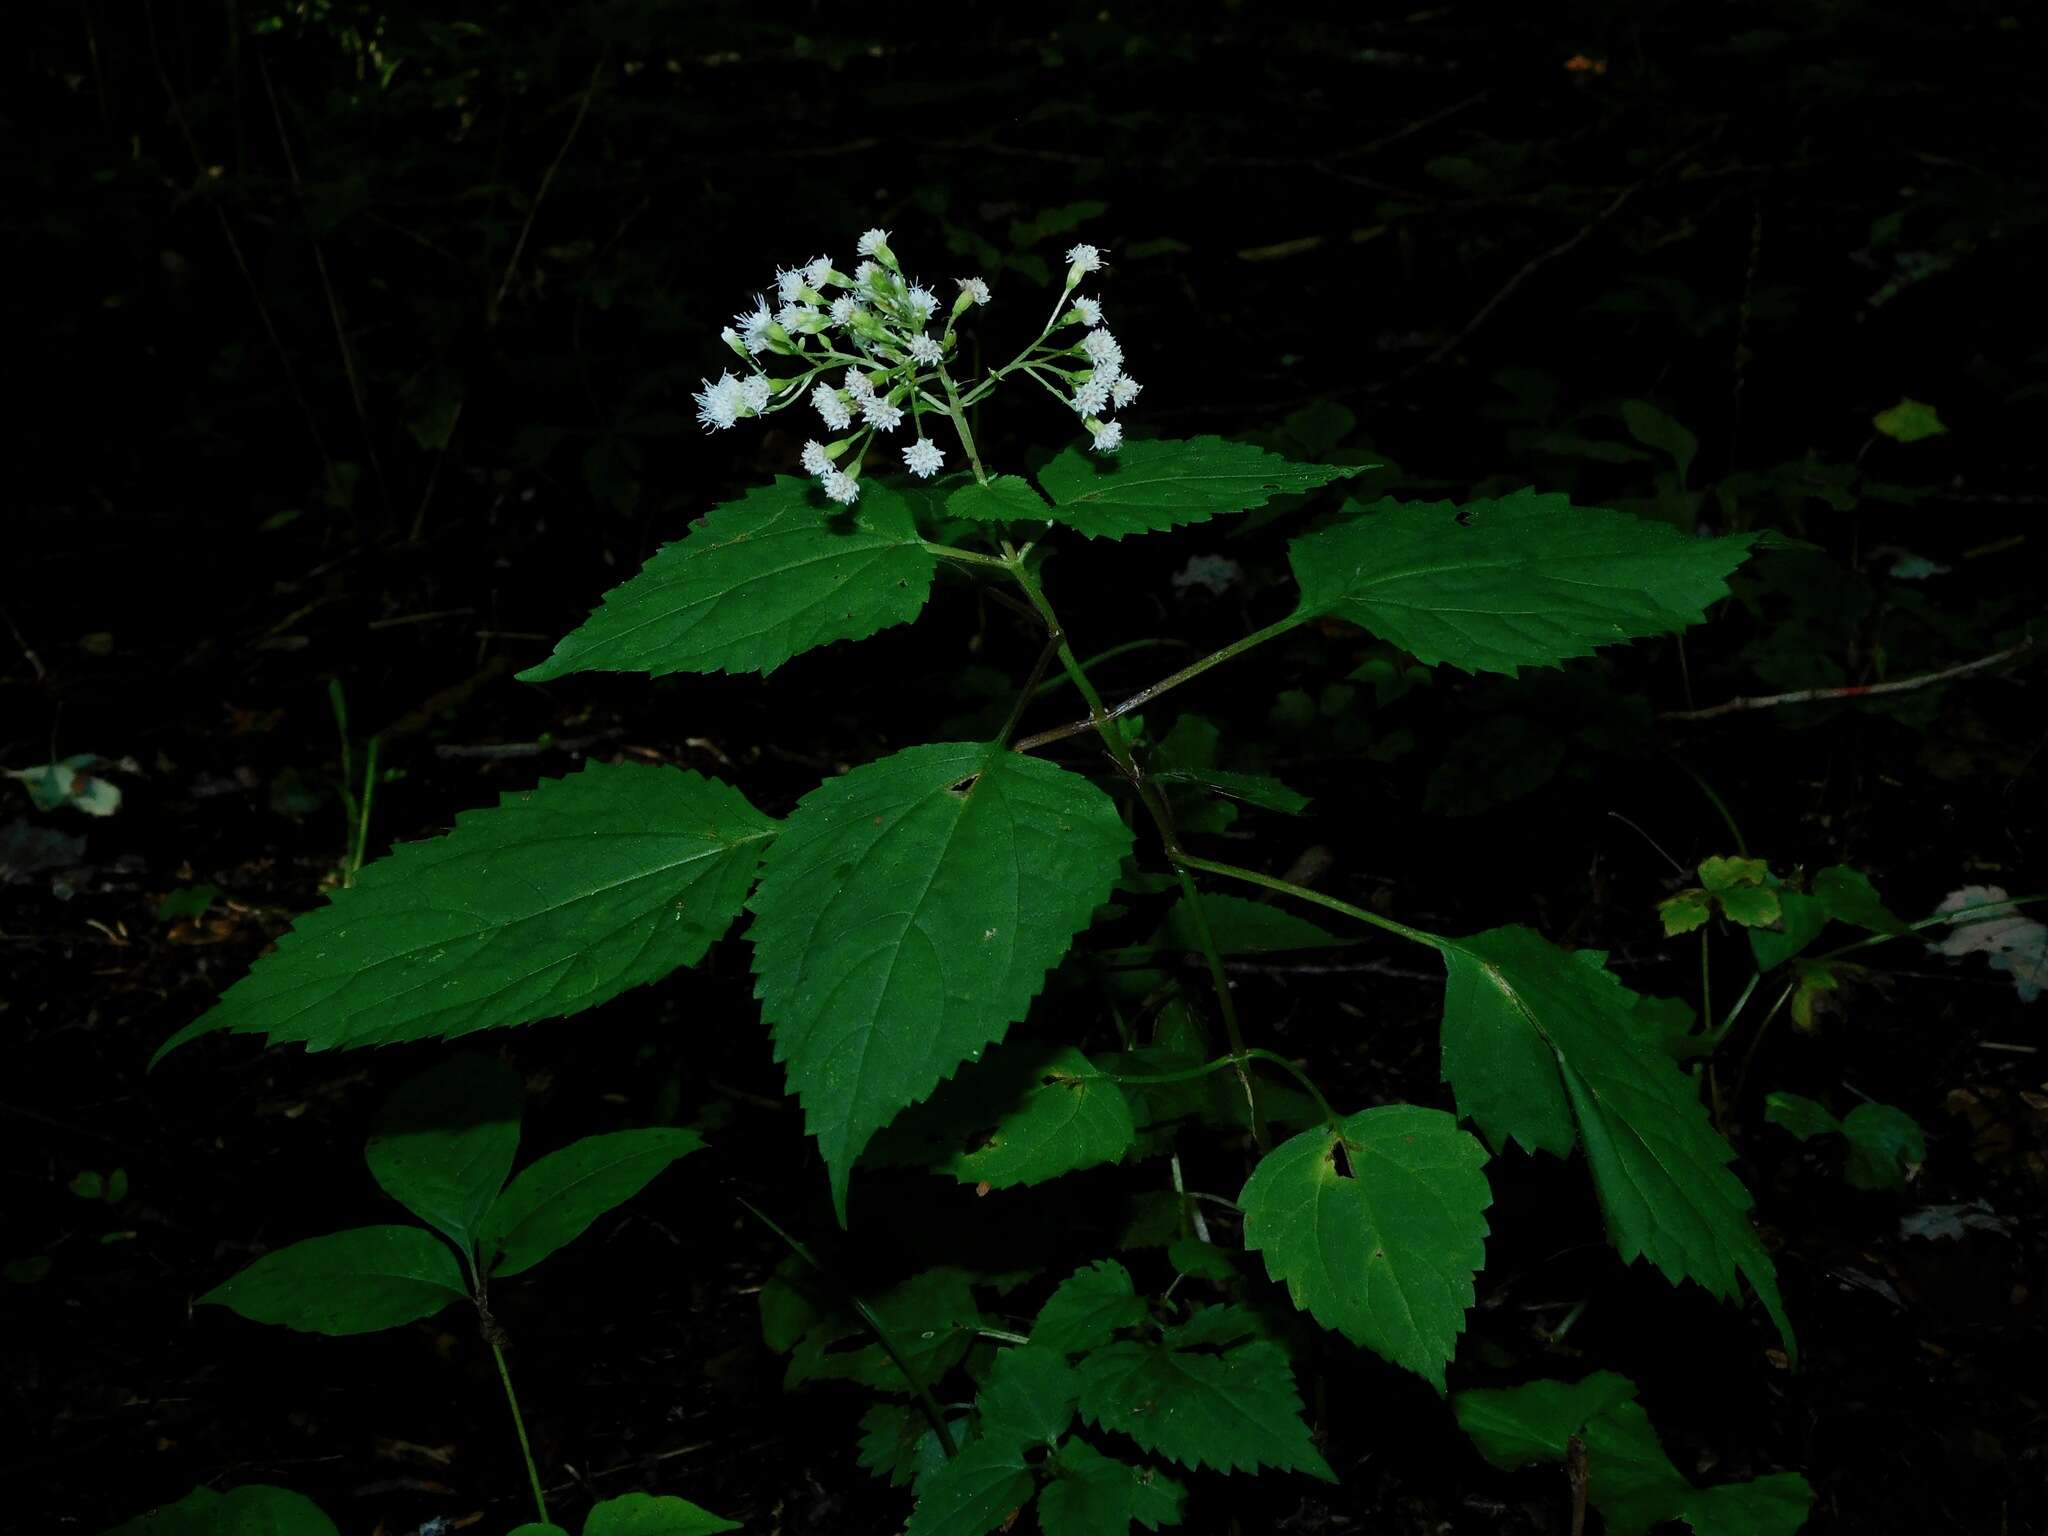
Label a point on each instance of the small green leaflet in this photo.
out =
(1885, 1143)
(653, 1514)
(1630, 1480)
(1164, 483)
(444, 1142)
(358, 1281)
(975, 1492)
(1910, 421)
(1033, 1111)
(1088, 1309)
(1259, 789)
(1090, 1494)
(1381, 1246)
(755, 582)
(908, 915)
(1839, 893)
(1544, 1049)
(1233, 1411)
(254, 1509)
(1006, 498)
(550, 902)
(554, 1200)
(1494, 586)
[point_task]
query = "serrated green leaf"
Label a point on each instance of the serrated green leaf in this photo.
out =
(1776, 1505)
(1803, 1117)
(908, 915)
(358, 1281)
(1232, 1411)
(974, 1492)
(1088, 1309)
(1377, 1228)
(1494, 586)
(1721, 874)
(1006, 498)
(1883, 1143)
(443, 1142)
(254, 1509)
(755, 582)
(653, 1514)
(1910, 421)
(548, 903)
(1027, 1112)
(556, 1198)
(1685, 912)
(1090, 1494)
(1536, 1042)
(1164, 483)
(1518, 1426)
(1753, 906)
(1029, 1395)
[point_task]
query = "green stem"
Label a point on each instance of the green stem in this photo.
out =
(1151, 642)
(959, 414)
(971, 557)
(1961, 914)
(1144, 696)
(540, 1502)
(1235, 1059)
(363, 820)
(1706, 977)
(933, 1414)
(1735, 1012)
(1434, 941)
(1113, 738)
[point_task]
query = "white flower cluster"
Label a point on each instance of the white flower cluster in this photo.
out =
(869, 329)
(1102, 384)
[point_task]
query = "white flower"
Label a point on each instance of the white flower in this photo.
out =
(754, 325)
(1102, 349)
(976, 287)
(873, 241)
(924, 458)
(925, 350)
(858, 384)
(789, 283)
(718, 405)
(1124, 391)
(792, 317)
(817, 270)
(921, 302)
(755, 393)
(1089, 310)
(814, 458)
(1086, 257)
(832, 408)
(867, 272)
(841, 487)
(1091, 397)
(877, 412)
(1109, 437)
(842, 309)
(729, 336)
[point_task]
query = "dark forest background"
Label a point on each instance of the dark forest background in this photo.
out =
(353, 351)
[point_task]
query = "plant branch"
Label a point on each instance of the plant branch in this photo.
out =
(1303, 893)
(1854, 691)
(1144, 696)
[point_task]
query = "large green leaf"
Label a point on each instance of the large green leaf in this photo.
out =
(975, 1492)
(444, 1141)
(556, 1198)
(1165, 482)
(552, 901)
(1629, 1478)
(907, 916)
(1536, 1042)
(1088, 1309)
(254, 1509)
(1493, 586)
(358, 1281)
(1377, 1228)
(1006, 498)
(755, 582)
(1234, 1410)
(1028, 1112)
(1029, 1395)
(652, 1514)
(1090, 1494)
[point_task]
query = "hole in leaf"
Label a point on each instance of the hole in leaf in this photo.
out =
(1340, 1159)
